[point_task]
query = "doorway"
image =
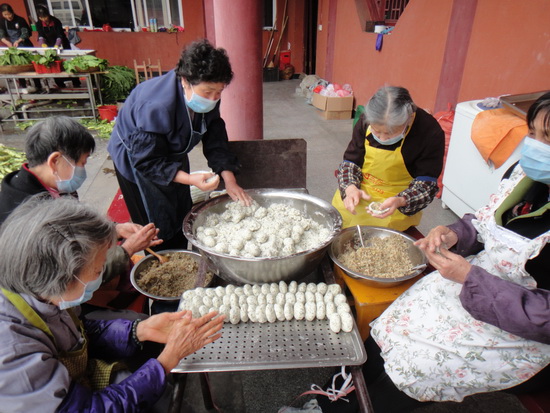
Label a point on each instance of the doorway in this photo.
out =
(310, 36)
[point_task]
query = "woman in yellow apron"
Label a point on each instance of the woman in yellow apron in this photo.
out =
(390, 168)
(53, 254)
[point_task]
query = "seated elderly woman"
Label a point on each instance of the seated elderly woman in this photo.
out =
(53, 254)
(57, 151)
(393, 160)
(477, 324)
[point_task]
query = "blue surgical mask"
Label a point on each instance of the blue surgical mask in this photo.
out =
(76, 180)
(89, 290)
(391, 141)
(199, 104)
(535, 160)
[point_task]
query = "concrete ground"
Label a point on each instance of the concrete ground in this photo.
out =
(286, 115)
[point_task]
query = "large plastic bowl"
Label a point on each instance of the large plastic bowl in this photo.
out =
(258, 270)
(145, 263)
(350, 237)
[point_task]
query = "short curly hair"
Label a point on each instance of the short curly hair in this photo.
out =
(202, 62)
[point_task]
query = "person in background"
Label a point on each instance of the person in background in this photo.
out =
(14, 30)
(394, 159)
(53, 253)
(52, 34)
(57, 150)
(162, 120)
(481, 322)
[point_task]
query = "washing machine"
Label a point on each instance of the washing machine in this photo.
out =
(469, 181)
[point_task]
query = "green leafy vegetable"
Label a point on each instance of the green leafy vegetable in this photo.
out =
(49, 57)
(117, 83)
(83, 63)
(102, 127)
(10, 160)
(14, 56)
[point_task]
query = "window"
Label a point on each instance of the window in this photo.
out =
(123, 14)
(394, 9)
(268, 14)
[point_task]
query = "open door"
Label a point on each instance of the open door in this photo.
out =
(310, 35)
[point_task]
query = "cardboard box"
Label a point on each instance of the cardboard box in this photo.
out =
(333, 107)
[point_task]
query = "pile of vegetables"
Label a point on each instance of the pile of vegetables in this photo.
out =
(117, 83)
(10, 160)
(15, 57)
(84, 63)
(49, 57)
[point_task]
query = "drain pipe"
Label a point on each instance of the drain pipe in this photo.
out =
(27, 106)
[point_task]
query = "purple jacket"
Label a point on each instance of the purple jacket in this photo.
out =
(509, 306)
(32, 379)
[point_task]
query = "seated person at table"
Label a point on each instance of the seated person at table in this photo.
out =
(57, 150)
(52, 34)
(394, 157)
(53, 253)
(477, 324)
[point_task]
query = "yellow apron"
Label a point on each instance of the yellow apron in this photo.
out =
(93, 373)
(384, 176)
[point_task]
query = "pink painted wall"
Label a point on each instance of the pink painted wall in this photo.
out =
(411, 55)
(509, 49)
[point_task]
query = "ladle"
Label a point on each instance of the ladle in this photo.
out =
(162, 259)
(360, 236)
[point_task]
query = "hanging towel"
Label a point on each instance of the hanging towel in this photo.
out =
(496, 133)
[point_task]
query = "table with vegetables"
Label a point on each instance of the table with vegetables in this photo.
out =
(50, 63)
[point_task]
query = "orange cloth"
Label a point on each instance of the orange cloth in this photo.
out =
(496, 133)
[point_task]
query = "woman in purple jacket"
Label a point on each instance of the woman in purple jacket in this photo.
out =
(53, 253)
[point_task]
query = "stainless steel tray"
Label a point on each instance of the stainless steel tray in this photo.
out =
(279, 345)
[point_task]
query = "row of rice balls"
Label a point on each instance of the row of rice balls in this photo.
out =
(271, 302)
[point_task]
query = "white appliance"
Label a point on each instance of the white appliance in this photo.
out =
(469, 181)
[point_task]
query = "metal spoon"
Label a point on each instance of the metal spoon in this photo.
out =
(360, 236)
(162, 259)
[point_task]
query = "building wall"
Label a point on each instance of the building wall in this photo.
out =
(509, 50)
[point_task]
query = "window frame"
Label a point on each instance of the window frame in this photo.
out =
(267, 4)
(140, 15)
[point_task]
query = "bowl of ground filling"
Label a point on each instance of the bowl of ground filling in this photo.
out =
(385, 259)
(282, 236)
(170, 280)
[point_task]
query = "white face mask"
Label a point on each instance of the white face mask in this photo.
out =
(390, 141)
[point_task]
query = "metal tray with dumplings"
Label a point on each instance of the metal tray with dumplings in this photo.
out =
(279, 345)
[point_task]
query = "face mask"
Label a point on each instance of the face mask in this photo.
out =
(199, 104)
(535, 160)
(76, 181)
(89, 290)
(391, 141)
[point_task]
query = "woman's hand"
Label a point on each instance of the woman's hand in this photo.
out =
(236, 193)
(182, 334)
(205, 182)
(127, 229)
(437, 238)
(391, 204)
(353, 196)
(450, 265)
(142, 238)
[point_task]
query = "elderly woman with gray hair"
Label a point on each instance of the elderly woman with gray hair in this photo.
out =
(390, 168)
(53, 253)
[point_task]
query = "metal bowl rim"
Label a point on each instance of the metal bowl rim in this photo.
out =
(149, 257)
(333, 212)
(359, 276)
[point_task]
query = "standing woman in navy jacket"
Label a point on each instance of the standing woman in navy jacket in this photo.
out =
(159, 124)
